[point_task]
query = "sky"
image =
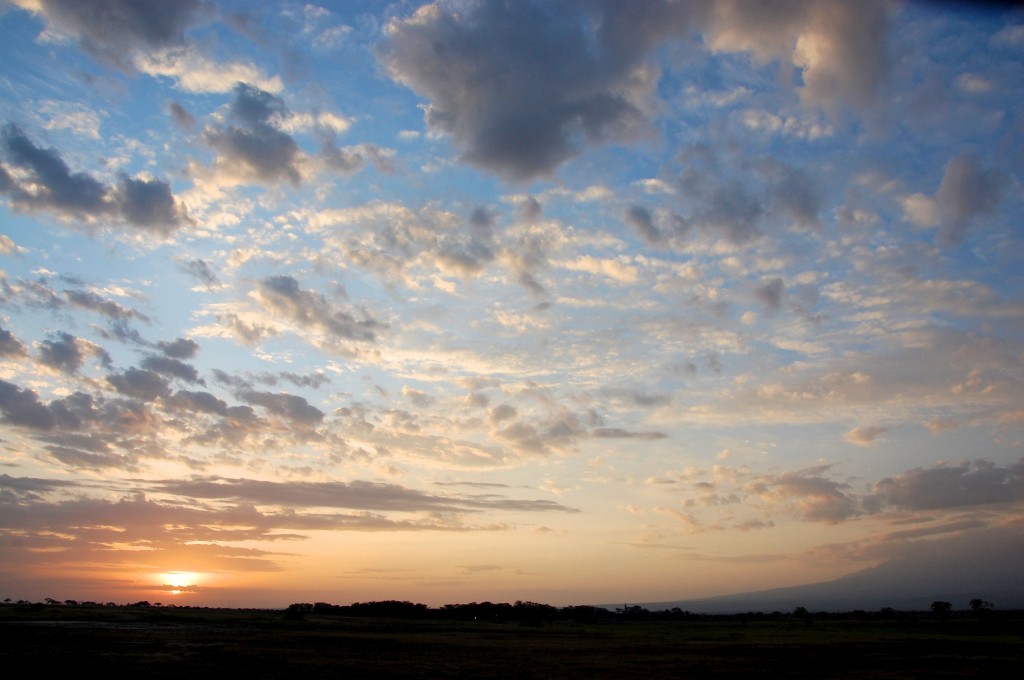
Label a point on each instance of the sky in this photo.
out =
(571, 302)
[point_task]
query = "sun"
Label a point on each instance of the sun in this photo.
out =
(177, 582)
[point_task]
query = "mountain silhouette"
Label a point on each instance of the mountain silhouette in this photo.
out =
(955, 571)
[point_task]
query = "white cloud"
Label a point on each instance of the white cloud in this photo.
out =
(194, 72)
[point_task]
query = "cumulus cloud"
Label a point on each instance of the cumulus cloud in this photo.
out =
(114, 30)
(148, 36)
(953, 486)
(66, 353)
(309, 309)
(10, 346)
(257, 149)
(292, 407)
(521, 113)
(41, 180)
(815, 497)
(179, 348)
(22, 407)
(587, 78)
(171, 367)
(841, 49)
(140, 383)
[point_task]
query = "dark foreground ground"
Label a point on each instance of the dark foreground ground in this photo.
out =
(184, 643)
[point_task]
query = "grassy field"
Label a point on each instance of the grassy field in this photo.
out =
(166, 642)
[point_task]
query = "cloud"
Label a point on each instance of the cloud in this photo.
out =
(10, 346)
(149, 204)
(53, 184)
(66, 353)
(201, 270)
(183, 118)
(518, 113)
(22, 407)
(618, 433)
(841, 50)
(946, 486)
(311, 310)
(43, 181)
(140, 383)
(361, 495)
(587, 78)
(864, 436)
(198, 402)
(771, 293)
(816, 498)
(179, 348)
(114, 30)
(168, 366)
(640, 218)
(296, 409)
(967, 191)
(192, 71)
(93, 302)
(258, 150)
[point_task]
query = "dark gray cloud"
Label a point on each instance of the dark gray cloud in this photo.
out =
(585, 78)
(354, 495)
(113, 30)
(183, 118)
(199, 402)
(140, 384)
(201, 270)
(10, 346)
(22, 407)
(282, 295)
(723, 206)
(55, 186)
(172, 367)
(641, 220)
(793, 192)
(967, 191)
(28, 488)
(179, 348)
(771, 293)
(971, 483)
(290, 406)
(147, 204)
(108, 308)
(521, 112)
(91, 460)
(62, 353)
(258, 149)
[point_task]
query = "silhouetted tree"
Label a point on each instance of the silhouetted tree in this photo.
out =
(941, 609)
(979, 605)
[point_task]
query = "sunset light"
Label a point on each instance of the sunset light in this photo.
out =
(178, 582)
(576, 302)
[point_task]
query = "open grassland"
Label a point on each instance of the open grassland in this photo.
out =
(167, 642)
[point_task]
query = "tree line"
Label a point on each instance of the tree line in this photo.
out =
(525, 612)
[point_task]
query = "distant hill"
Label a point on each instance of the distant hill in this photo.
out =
(953, 571)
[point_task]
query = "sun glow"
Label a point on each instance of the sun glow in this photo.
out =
(178, 582)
